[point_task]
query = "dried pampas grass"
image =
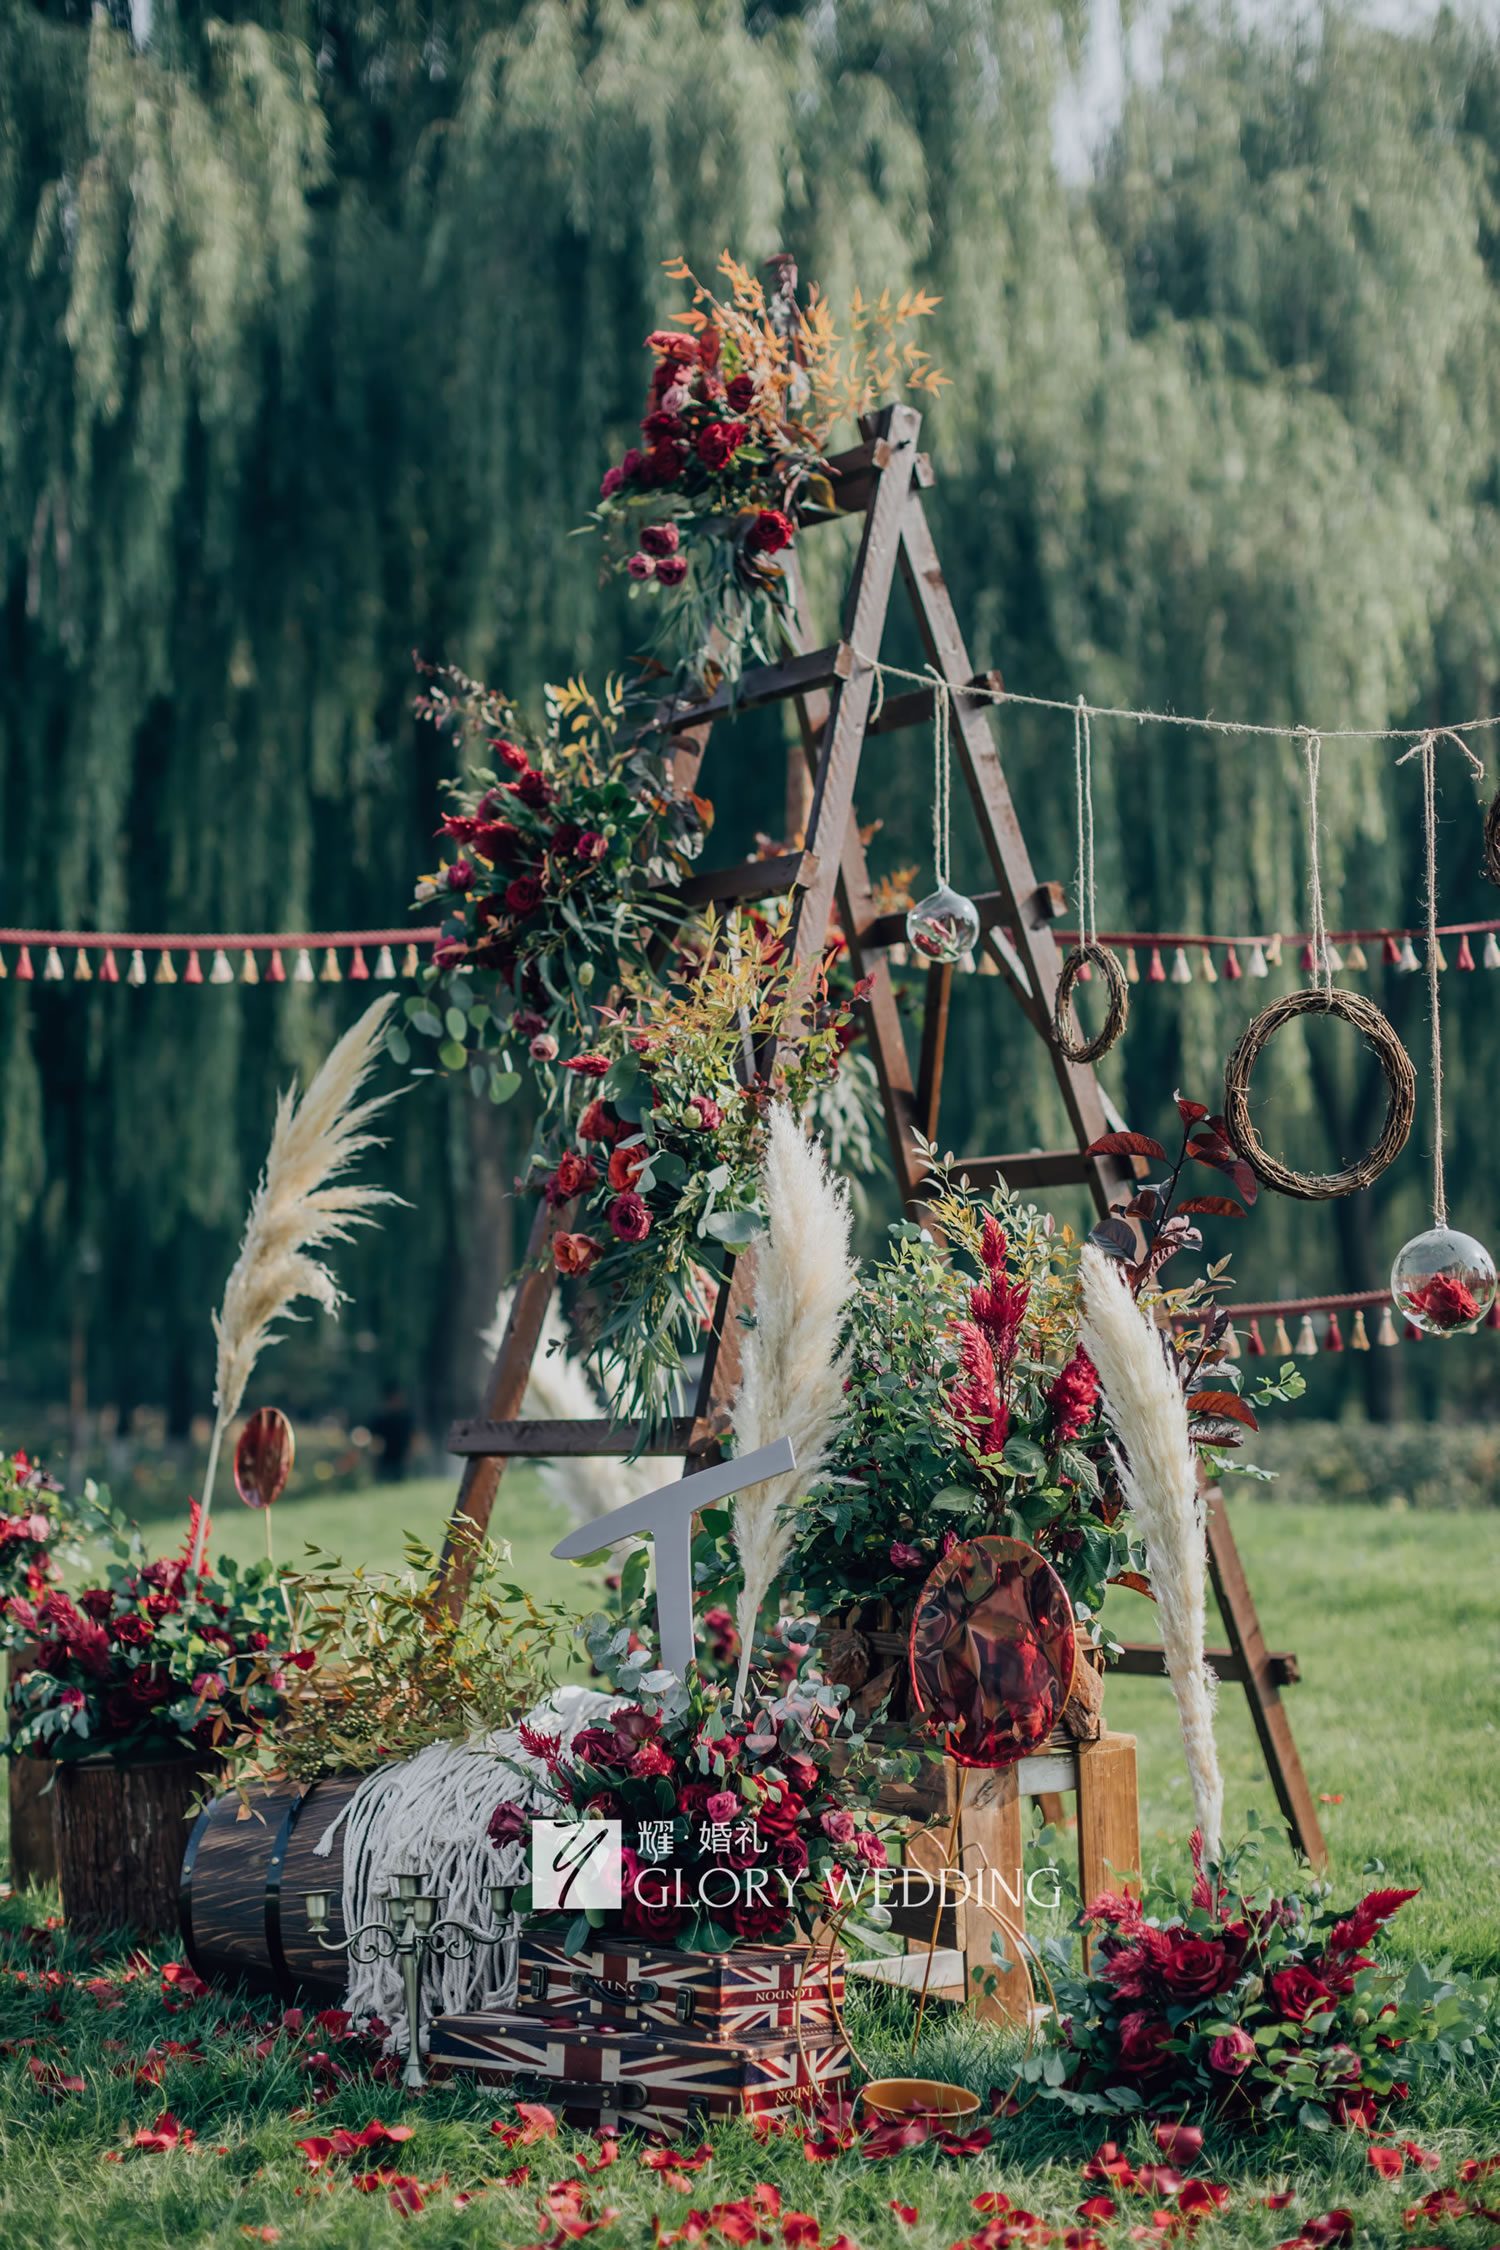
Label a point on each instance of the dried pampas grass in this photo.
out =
(1148, 1413)
(559, 1389)
(794, 1361)
(292, 1213)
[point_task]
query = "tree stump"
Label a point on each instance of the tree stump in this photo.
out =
(120, 1833)
(32, 1858)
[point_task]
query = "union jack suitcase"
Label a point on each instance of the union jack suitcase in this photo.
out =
(747, 1993)
(603, 2077)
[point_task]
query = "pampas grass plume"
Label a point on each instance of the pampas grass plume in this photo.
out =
(293, 1213)
(1146, 1409)
(559, 1389)
(794, 1361)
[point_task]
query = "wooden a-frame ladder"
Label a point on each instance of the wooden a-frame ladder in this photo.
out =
(833, 692)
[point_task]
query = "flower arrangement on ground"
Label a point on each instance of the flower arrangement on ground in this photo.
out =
(740, 412)
(158, 1662)
(1249, 2005)
(736, 1829)
(36, 1533)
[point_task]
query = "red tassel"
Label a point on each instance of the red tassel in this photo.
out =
(358, 970)
(1255, 1342)
(109, 967)
(1390, 951)
(275, 972)
(1492, 1317)
(193, 973)
(1333, 1341)
(1410, 1333)
(23, 966)
(1306, 962)
(1156, 974)
(1232, 968)
(1465, 957)
(1085, 972)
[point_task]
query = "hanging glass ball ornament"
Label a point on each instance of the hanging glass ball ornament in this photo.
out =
(943, 927)
(1444, 1282)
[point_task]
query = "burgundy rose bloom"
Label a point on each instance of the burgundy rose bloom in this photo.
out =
(1141, 2037)
(448, 952)
(663, 464)
(508, 1825)
(152, 1685)
(739, 392)
(532, 789)
(459, 876)
(1299, 1994)
(703, 1113)
(755, 1917)
(780, 1811)
(591, 845)
(575, 1253)
(133, 1630)
(611, 481)
(564, 838)
(718, 442)
(496, 839)
(596, 1124)
(99, 1603)
(659, 424)
(596, 1746)
(651, 1759)
(641, 566)
(121, 1710)
(1232, 2053)
(671, 570)
(629, 1219)
(905, 1557)
(631, 465)
(800, 1772)
(791, 1858)
(1196, 1967)
(574, 1173)
(660, 539)
(524, 895)
(770, 532)
(1445, 1300)
(647, 1908)
(632, 1725)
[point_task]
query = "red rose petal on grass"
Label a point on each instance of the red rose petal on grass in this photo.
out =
(1278, 2202)
(406, 2196)
(1325, 1798)
(1098, 2207)
(1158, 2179)
(317, 2152)
(609, 2153)
(48, 2078)
(799, 2228)
(1475, 2167)
(165, 2134)
(517, 2178)
(262, 2234)
(1180, 2143)
(1443, 2203)
(177, 1976)
(1430, 2162)
(841, 2242)
(993, 2200)
(1333, 2228)
(1082, 2238)
(1201, 2198)
(889, 2140)
(1388, 2162)
(907, 2213)
(1107, 2163)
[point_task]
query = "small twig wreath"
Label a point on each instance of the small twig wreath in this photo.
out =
(1064, 1023)
(1492, 842)
(1400, 1077)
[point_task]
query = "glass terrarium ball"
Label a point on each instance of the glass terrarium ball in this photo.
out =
(943, 927)
(1444, 1282)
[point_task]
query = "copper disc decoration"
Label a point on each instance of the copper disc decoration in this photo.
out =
(993, 1651)
(263, 1458)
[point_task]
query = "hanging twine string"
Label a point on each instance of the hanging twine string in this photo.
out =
(1312, 751)
(1426, 749)
(1083, 778)
(942, 718)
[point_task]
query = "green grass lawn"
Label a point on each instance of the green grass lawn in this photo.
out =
(1396, 1620)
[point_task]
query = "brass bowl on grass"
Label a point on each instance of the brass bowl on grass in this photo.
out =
(896, 2099)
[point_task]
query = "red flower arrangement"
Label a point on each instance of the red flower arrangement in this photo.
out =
(33, 1525)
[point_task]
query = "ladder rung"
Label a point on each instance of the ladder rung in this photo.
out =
(766, 683)
(750, 878)
(1144, 1660)
(1041, 1167)
(502, 1440)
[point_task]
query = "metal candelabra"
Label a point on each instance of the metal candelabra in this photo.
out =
(411, 1934)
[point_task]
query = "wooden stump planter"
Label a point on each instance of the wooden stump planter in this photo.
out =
(119, 1832)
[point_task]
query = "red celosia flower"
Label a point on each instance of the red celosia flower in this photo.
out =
(1073, 1397)
(588, 1066)
(1356, 1930)
(975, 1395)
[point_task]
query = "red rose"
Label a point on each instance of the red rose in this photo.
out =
(718, 443)
(625, 1166)
(800, 1772)
(791, 1858)
(574, 1173)
(740, 393)
(705, 1114)
(1299, 1994)
(693, 1796)
(660, 539)
(1446, 1301)
(632, 1725)
(629, 1219)
(532, 789)
(659, 424)
(758, 1916)
(459, 876)
(152, 1685)
(668, 345)
(510, 754)
(97, 1602)
(1141, 2037)
(448, 952)
(780, 1811)
(1194, 1967)
(663, 464)
(596, 1746)
(133, 1630)
(524, 895)
(770, 532)
(641, 566)
(563, 839)
(647, 1906)
(575, 1253)
(591, 845)
(610, 482)
(508, 1825)
(671, 570)
(121, 1710)
(631, 465)
(596, 1124)
(1232, 2053)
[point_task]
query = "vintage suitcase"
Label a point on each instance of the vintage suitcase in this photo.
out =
(598, 2076)
(747, 1993)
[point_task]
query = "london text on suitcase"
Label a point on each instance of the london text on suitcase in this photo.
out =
(597, 2076)
(753, 1990)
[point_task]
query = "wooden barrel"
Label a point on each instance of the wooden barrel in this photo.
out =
(243, 1879)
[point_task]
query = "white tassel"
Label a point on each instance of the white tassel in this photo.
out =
(1258, 960)
(1407, 958)
(1145, 1407)
(794, 1357)
(220, 972)
(385, 967)
(303, 971)
(1491, 954)
(136, 973)
(52, 968)
(1181, 973)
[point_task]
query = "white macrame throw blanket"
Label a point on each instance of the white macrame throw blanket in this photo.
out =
(430, 1815)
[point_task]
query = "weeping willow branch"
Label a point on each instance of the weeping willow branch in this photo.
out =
(1145, 1407)
(293, 1212)
(793, 1383)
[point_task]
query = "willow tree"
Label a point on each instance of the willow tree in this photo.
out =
(319, 326)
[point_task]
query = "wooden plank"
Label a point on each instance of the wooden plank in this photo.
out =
(747, 879)
(1237, 1608)
(1109, 1824)
(1027, 1168)
(533, 1439)
(1143, 1660)
(763, 683)
(934, 1045)
(993, 1859)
